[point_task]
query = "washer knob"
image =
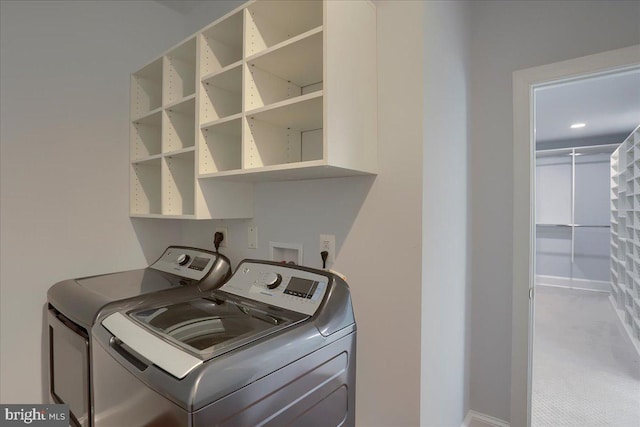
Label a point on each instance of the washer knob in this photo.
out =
(183, 259)
(273, 280)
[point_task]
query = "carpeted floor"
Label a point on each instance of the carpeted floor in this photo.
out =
(586, 372)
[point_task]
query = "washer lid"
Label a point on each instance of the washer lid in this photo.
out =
(207, 327)
(162, 354)
(127, 284)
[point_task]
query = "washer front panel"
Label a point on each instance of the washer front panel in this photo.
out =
(296, 290)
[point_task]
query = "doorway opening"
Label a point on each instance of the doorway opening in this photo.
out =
(585, 365)
(524, 229)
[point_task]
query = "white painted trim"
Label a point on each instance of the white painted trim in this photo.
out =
(472, 416)
(624, 325)
(524, 82)
(573, 283)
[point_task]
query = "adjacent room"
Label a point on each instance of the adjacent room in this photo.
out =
(586, 353)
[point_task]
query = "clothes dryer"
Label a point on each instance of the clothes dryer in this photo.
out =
(74, 304)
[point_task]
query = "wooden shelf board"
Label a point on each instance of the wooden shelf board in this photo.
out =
(177, 104)
(221, 121)
(162, 216)
(146, 115)
(301, 113)
(147, 159)
(181, 151)
(291, 171)
(223, 70)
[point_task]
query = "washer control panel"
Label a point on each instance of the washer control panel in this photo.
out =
(185, 262)
(281, 286)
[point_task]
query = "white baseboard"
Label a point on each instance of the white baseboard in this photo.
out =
(476, 419)
(626, 327)
(568, 282)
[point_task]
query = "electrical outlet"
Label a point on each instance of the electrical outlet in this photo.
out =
(252, 237)
(223, 230)
(328, 243)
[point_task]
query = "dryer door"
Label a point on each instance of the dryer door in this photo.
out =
(69, 366)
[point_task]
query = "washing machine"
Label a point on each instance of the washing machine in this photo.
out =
(274, 346)
(74, 304)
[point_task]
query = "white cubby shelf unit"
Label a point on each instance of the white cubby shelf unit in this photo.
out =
(164, 124)
(625, 233)
(274, 90)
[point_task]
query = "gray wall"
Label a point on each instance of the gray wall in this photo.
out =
(509, 36)
(64, 79)
(445, 244)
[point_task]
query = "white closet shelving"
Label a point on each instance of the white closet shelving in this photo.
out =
(625, 233)
(275, 90)
(572, 222)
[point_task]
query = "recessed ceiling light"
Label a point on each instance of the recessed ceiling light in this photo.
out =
(578, 125)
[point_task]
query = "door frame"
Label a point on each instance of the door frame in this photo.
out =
(524, 83)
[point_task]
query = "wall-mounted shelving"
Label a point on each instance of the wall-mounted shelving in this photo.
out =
(178, 175)
(146, 136)
(285, 72)
(146, 89)
(179, 129)
(625, 233)
(146, 194)
(221, 94)
(283, 134)
(180, 72)
(274, 90)
(221, 146)
(221, 43)
(271, 22)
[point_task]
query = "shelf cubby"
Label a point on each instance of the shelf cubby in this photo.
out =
(221, 147)
(180, 72)
(269, 23)
(285, 72)
(146, 136)
(178, 184)
(179, 131)
(291, 132)
(221, 95)
(146, 89)
(146, 195)
(221, 44)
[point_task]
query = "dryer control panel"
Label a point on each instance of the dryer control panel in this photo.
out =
(186, 262)
(278, 285)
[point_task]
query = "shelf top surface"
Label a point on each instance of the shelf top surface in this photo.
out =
(314, 169)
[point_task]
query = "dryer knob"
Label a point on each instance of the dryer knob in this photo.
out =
(273, 280)
(183, 259)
